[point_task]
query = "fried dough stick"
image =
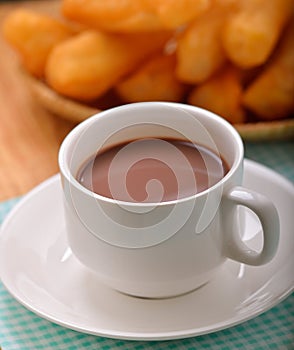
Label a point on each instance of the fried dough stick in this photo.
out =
(271, 95)
(250, 36)
(221, 94)
(200, 53)
(33, 35)
(86, 66)
(153, 81)
(112, 15)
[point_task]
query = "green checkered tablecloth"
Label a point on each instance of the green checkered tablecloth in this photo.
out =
(23, 330)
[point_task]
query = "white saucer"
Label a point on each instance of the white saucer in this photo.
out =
(38, 269)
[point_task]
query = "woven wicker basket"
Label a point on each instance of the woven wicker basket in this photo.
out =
(77, 112)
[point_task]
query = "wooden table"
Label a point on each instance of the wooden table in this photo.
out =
(29, 135)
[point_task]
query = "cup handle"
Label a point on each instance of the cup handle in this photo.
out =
(268, 216)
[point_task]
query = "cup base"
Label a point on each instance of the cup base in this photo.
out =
(169, 296)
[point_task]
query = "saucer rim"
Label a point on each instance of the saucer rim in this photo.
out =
(162, 335)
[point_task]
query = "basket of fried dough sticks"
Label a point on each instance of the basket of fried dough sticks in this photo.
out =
(232, 57)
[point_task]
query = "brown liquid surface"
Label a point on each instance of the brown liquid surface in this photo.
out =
(152, 170)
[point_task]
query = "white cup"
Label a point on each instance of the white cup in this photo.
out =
(164, 249)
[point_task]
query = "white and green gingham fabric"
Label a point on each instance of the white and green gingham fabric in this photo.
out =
(21, 329)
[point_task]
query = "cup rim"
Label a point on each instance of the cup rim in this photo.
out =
(65, 171)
